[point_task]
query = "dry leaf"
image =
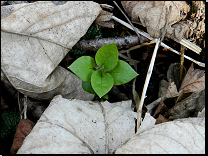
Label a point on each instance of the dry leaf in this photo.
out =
(161, 119)
(185, 136)
(172, 90)
(75, 126)
(104, 19)
(161, 109)
(152, 15)
(173, 73)
(23, 129)
(190, 105)
(193, 81)
(36, 37)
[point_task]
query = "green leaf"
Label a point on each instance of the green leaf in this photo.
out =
(105, 97)
(107, 56)
(88, 87)
(83, 67)
(122, 73)
(101, 83)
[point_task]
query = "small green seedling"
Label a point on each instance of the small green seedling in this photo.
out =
(108, 72)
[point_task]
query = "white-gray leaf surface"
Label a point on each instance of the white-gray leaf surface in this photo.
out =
(75, 126)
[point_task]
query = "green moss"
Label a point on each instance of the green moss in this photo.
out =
(10, 119)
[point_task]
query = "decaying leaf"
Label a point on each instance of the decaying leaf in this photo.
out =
(161, 119)
(104, 19)
(161, 109)
(193, 81)
(152, 15)
(172, 90)
(75, 126)
(36, 36)
(23, 129)
(190, 105)
(173, 73)
(174, 137)
(163, 86)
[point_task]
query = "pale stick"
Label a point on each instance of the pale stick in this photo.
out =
(184, 42)
(149, 73)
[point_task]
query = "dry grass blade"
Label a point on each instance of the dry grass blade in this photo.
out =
(149, 73)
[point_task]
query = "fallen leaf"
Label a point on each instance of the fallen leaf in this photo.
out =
(173, 73)
(161, 109)
(193, 81)
(190, 105)
(23, 129)
(161, 119)
(36, 37)
(185, 136)
(172, 90)
(152, 15)
(75, 126)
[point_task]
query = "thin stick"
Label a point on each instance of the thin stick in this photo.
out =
(162, 44)
(25, 106)
(182, 60)
(149, 73)
(128, 20)
(136, 47)
(20, 110)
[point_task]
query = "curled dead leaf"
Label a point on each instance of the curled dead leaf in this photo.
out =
(172, 90)
(35, 38)
(152, 14)
(193, 81)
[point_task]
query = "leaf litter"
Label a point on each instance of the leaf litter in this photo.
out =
(173, 92)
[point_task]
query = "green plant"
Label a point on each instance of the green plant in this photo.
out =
(99, 79)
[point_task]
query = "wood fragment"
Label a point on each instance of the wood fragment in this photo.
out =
(121, 42)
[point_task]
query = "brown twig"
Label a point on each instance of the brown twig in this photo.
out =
(182, 60)
(121, 42)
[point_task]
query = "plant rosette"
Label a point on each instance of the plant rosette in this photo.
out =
(111, 71)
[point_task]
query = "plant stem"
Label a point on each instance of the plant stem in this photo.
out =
(182, 60)
(149, 73)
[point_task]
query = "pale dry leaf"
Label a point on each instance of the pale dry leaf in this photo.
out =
(152, 15)
(75, 126)
(52, 30)
(193, 81)
(174, 137)
(61, 81)
(172, 90)
(35, 38)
